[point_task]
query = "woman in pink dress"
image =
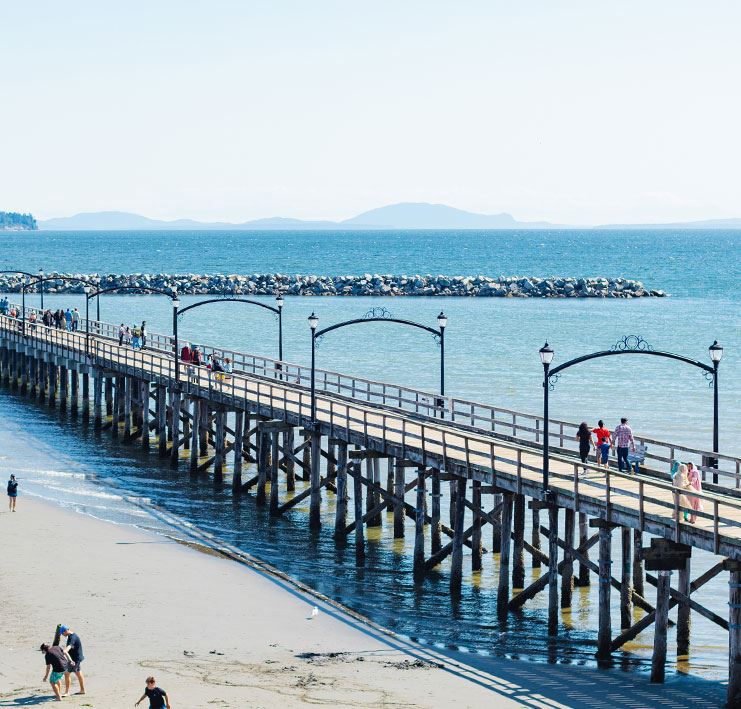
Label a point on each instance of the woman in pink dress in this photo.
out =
(695, 481)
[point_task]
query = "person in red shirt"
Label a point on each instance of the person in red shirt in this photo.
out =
(604, 442)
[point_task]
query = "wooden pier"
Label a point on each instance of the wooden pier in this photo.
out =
(489, 460)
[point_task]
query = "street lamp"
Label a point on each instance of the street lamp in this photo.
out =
(279, 302)
(313, 322)
(24, 282)
(442, 321)
(41, 276)
(546, 357)
(86, 289)
(175, 306)
(716, 355)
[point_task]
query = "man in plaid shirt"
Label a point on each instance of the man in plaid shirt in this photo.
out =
(623, 439)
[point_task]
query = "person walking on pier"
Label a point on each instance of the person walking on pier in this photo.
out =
(136, 338)
(584, 436)
(144, 333)
(74, 651)
(75, 320)
(695, 481)
(121, 333)
(12, 493)
(127, 336)
(623, 440)
(68, 319)
(604, 440)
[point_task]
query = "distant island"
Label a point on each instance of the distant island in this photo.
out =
(405, 215)
(13, 221)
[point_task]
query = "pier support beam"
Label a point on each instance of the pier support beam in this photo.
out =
(456, 559)
(496, 536)
(162, 420)
(504, 555)
(476, 535)
(354, 469)
(583, 577)
(195, 433)
(263, 455)
(658, 659)
(518, 546)
(128, 390)
(604, 632)
(419, 524)
(86, 394)
(535, 537)
(97, 400)
(117, 404)
(626, 579)
(734, 634)
(340, 513)
(220, 443)
(638, 573)
(683, 612)
(238, 445)
(175, 400)
(315, 522)
(435, 526)
(288, 446)
(144, 396)
(274, 462)
(553, 570)
(567, 578)
(398, 468)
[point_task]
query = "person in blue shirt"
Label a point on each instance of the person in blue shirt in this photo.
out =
(68, 318)
(12, 493)
(74, 650)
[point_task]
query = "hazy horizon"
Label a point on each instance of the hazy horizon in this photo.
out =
(579, 113)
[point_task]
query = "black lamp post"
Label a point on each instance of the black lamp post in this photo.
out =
(716, 354)
(24, 282)
(442, 321)
(41, 277)
(279, 302)
(175, 306)
(313, 322)
(86, 289)
(546, 357)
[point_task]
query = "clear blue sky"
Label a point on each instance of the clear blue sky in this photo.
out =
(572, 111)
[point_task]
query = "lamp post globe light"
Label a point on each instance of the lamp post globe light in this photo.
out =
(546, 357)
(716, 355)
(313, 322)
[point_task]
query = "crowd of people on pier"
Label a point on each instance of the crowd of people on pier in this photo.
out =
(630, 455)
(193, 357)
(134, 336)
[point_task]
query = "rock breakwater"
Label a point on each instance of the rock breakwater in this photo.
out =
(365, 285)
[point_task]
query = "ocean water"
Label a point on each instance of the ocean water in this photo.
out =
(491, 355)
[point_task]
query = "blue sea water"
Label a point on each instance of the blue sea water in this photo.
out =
(492, 355)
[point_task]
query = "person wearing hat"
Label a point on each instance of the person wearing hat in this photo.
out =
(57, 661)
(74, 650)
(12, 493)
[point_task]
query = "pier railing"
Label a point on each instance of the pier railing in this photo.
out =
(460, 412)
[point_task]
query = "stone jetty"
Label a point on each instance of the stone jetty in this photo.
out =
(365, 285)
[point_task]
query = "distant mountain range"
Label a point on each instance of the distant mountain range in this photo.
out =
(406, 215)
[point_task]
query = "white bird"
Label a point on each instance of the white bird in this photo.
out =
(314, 612)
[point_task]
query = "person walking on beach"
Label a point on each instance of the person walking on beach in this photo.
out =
(623, 439)
(121, 333)
(74, 650)
(604, 441)
(75, 320)
(57, 660)
(12, 493)
(157, 696)
(584, 436)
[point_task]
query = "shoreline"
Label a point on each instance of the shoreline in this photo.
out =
(219, 643)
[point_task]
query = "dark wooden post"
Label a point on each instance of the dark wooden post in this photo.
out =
(504, 555)
(518, 547)
(109, 396)
(175, 401)
(144, 389)
(456, 558)
(288, 438)
(451, 505)
(204, 421)
(496, 536)
(274, 461)
(535, 537)
(626, 580)
(658, 660)
(97, 400)
(128, 384)
(315, 503)
(219, 442)
(358, 507)
(476, 534)
(306, 457)
(583, 578)
(185, 418)
(553, 570)
(683, 612)
(398, 466)
(238, 445)
(74, 390)
(435, 527)
(195, 433)
(63, 387)
(116, 415)
(374, 496)
(340, 513)
(604, 633)
(86, 394)
(734, 632)
(567, 578)
(162, 420)
(263, 453)
(419, 523)
(638, 573)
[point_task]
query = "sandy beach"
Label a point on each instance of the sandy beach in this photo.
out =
(214, 633)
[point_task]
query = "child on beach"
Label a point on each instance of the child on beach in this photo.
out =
(57, 660)
(12, 493)
(158, 698)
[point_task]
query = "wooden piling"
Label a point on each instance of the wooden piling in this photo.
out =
(734, 632)
(144, 395)
(288, 445)
(684, 620)
(658, 659)
(567, 577)
(535, 537)
(274, 459)
(604, 633)
(116, 415)
(638, 572)
(626, 580)
(74, 390)
(398, 467)
(496, 537)
(419, 524)
(476, 533)
(504, 556)
(435, 524)
(86, 394)
(263, 453)
(195, 433)
(518, 546)
(238, 444)
(315, 502)
(97, 400)
(340, 513)
(175, 402)
(109, 396)
(219, 442)
(162, 420)
(553, 570)
(456, 558)
(128, 387)
(358, 508)
(583, 577)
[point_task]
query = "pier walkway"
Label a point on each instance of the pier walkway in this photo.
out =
(481, 451)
